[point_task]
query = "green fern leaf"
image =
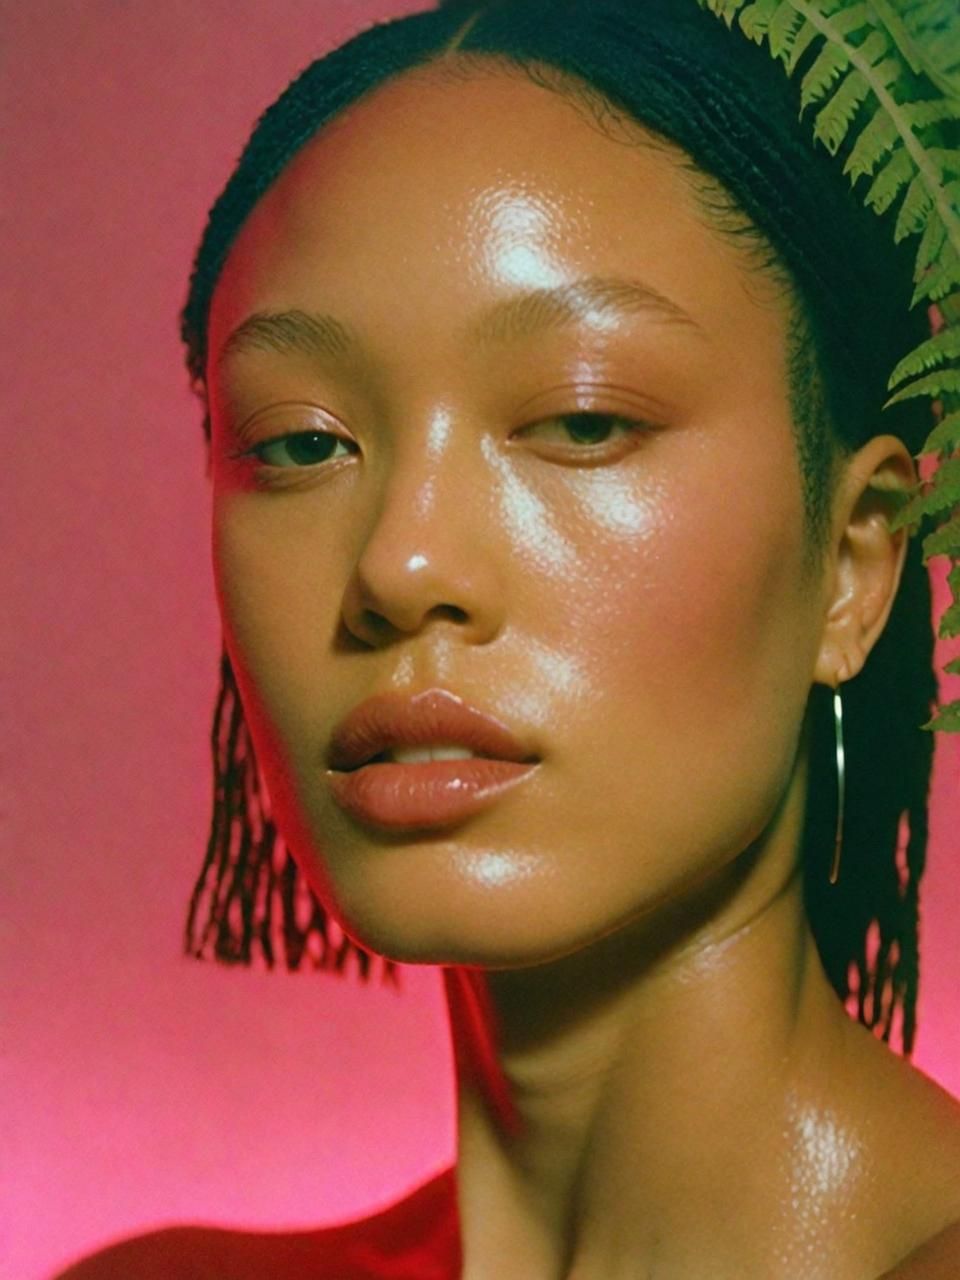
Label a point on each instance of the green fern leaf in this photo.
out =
(948, 276)
(830, 62)
(784, 26)
(934, 384)
(801, 44)
(907, 508)
(942, 279)
(834, 119)
(920, 115)
(922, 505)
(875, 141)
(923, 53)
(943, 346)
(948, 161)
(945, 541)
(950, 627)
(725, 9)
(945, 435)
(887, 72)
(931, 242)
(888, 182)
(755, 19)
(875, 47)
(908, 517)
(943, 495)
(914, 211)
(947, 719)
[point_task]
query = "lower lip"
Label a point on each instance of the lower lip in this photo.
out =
(432, 794)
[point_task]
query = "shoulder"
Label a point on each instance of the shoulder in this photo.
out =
(918, 1129)
(936, 1259)
(414, 1237)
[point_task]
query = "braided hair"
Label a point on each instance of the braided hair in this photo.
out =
(729, 115)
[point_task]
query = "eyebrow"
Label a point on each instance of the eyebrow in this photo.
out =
(520, 315)
(537, 310)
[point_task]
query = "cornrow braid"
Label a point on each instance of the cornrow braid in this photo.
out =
(247, 867)
(729, 116)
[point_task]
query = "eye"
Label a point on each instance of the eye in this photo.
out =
(296, 450)
(589, 428)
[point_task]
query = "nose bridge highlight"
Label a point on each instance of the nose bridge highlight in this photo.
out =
(418, 556)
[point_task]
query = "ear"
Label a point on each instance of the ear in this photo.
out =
(865, 560)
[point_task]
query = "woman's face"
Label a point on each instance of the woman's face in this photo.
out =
(624, 590)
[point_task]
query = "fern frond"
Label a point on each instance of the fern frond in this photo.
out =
(950, 627)
(915, 210)
(830, 62)
(943, 382)
(874, 47)
(887, 184)
(924, 57)
(945, 541)
(947, 159)
(931, 242)
(755, 18)
(804, 38)
(944, 436)
(834, 119)
(888, 104)
(950, 622)
(848, 18)
(943, 346)
(875, 141)
(941, 279)
(947, 719)
(919, 115)
(943, 495)
(725, 9)
(784, 28)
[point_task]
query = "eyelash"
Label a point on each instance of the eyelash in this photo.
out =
(634, 427)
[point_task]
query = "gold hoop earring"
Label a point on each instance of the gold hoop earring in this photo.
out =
(841, 771)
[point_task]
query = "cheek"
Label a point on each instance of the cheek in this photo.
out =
(696, 649)
(273, 590)
(697, 575)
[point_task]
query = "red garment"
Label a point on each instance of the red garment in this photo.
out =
(415, 1239)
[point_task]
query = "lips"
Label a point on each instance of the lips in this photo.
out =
(433, 717)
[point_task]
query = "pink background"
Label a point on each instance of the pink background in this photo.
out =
(141, 1088)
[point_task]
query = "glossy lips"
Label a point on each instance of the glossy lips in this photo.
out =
(434, 793)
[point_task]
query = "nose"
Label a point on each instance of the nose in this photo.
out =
(428, 554)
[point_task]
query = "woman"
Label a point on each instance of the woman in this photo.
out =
(543, 359)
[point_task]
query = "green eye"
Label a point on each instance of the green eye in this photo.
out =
(299, 449)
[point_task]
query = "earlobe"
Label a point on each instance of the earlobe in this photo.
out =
(867, 563)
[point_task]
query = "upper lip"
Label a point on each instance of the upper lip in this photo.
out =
(434, 716)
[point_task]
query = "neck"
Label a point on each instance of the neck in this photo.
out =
(629, 1100)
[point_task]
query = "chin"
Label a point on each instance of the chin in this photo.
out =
(444, 924)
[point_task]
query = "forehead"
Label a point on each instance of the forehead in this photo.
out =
(446, 181)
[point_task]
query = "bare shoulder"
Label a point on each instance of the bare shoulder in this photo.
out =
(415, 1236)
(935, 1259)
(916, 1154)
